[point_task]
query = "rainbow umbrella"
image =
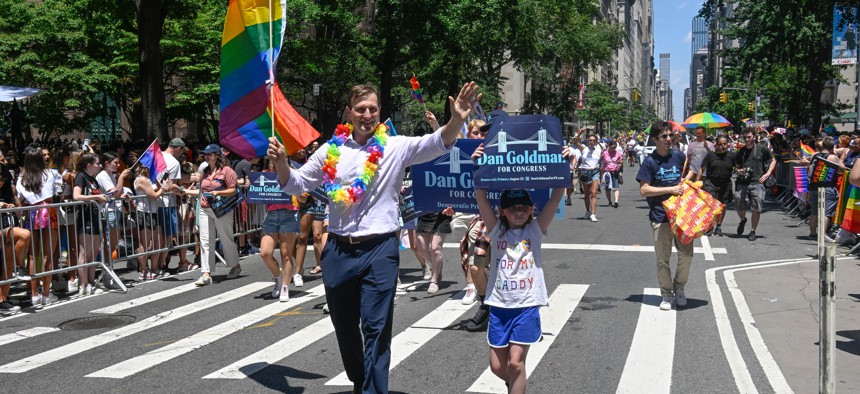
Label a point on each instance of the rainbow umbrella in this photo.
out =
(675, 127)
(708, 120)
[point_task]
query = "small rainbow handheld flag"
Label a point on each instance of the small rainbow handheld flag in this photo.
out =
(416, 89)
(801, 180)
(806, 150)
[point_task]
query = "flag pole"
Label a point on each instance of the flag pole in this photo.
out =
(271, 69)
(141, 155)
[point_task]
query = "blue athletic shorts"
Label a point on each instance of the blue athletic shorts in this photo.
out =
(513, 325)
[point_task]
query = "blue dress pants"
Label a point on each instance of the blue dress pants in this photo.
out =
(360, 281)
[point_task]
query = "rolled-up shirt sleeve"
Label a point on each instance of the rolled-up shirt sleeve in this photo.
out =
(309, 176)
(426, 148)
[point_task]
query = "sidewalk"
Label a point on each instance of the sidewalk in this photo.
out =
(783, 301)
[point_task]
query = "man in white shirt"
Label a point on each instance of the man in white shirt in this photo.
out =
(362, 253)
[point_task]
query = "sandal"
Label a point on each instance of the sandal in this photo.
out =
(316, 270)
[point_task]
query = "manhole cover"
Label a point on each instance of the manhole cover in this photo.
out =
(97, 322)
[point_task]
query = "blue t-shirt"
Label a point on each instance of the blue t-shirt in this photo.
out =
(661, 171)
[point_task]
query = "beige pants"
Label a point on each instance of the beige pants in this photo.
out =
(663, 237)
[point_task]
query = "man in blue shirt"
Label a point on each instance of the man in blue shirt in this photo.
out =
(659, 178)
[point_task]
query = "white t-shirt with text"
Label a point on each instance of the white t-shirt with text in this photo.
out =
(516, 275)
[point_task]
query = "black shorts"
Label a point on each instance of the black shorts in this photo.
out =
(146, 220)
(723, 192)
(434, 223)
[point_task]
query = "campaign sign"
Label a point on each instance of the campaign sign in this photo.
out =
(319, 192)
(446, 181)
(264, 188)
(523, 150)
(407, 208)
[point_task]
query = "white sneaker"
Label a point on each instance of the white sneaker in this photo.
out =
(470, 296)
(285, 294)
(325, 308)
(298, 281)
(666, 305)
(72, 287)
(680, 298)
(203, 281)
(433, 289)
(89, 289)
(427, 272)
(36, 300)
(276, 290)
(82, 291)
(593, 218)
(50, 299)
(96, 289)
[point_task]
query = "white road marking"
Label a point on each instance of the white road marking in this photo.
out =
(562, 303)
(145, 299)
(608, 248)
(143, 362)
(89, 343)
(740, 372)
(652, 352)
(285, 347)
(24, 334)
(706, 248)
(418, 334)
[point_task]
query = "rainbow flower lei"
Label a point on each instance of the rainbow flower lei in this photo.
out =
(352, 193)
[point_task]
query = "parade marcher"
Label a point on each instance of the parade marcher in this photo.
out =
(589, 174)
(755, 165)
(515, 238)
(217, 180)
(281, 227)
(631, 150)
(659, 178)
(362, 253)
(697, 150)
(678, 141)
(853, 152)
(611, 164)
(716, 169)
(475, 286)
(574, 170)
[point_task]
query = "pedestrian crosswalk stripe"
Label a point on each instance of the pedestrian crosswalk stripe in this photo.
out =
(145, 299)
(89, 343)
(610, 248)
(137, 364)
(562, 303)
(287, 346)
(417, 335)
(649, 361)
(274, 353)
(24, 334)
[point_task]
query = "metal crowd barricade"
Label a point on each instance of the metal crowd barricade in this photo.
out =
(65, 222)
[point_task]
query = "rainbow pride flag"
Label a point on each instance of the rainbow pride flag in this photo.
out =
(416, 89)
(250, 97)
(849, 212)
(806, 151)
(801, 179)
(153, 159)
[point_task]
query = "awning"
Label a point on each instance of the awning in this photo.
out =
(10, 93)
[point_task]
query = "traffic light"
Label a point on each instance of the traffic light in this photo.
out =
(635, 95)
(724, 97)
(751, 106)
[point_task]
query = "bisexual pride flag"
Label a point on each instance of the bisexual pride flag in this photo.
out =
(153, 159)
(253, 108)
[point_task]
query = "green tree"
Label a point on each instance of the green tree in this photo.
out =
(601, 106)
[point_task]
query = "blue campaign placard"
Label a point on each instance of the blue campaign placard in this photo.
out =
(523, 150)
(263, 188)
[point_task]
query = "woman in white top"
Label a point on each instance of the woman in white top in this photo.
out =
(589, 174)
(108, 182)
(149, 232)
(37, 186)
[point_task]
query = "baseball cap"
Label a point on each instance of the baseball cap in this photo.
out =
(515, 197)
(212, 148)
(492, 117)
(177, 142)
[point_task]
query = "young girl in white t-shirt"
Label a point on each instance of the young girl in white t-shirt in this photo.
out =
(516, 288)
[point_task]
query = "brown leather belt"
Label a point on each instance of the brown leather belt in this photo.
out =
(357, 240)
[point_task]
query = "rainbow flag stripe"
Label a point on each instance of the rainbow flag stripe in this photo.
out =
(850, 219)
(806, 150)
(248, 63)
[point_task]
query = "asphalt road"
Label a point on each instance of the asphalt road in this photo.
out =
(602, 333)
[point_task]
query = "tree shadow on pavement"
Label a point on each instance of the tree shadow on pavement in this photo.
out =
(852, 345)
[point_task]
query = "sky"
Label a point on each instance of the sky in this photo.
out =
(673, 33)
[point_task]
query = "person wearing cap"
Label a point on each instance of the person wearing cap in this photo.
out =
(363, 176)
(218, 180)
(168, 218)
(518, 289)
